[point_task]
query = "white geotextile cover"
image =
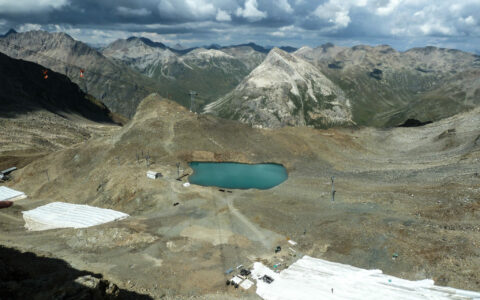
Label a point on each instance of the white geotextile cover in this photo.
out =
(63, 215)
(7, 194)
(312, 278)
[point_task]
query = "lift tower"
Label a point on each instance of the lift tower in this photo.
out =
(192, 100)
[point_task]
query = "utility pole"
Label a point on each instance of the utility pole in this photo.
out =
(333, 188)
(178, 169)
(192, 100)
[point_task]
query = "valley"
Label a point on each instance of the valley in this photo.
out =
(410, 191)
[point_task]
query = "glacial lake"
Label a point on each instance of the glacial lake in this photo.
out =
(237, 176)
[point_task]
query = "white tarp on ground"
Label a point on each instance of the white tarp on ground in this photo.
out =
(8, 194)
(63, 215)
(312, 278)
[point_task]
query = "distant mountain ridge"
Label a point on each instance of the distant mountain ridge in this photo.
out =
(382, 87)
(387, 87)
(177, 48)
(211, 72)
(10, 31)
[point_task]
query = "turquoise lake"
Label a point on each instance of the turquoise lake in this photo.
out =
(237, 175)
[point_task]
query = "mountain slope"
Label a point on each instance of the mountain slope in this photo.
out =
(138, 53)
(24, 89)
(285, 90)
(413, 191)
(39, 115)
(119, 87)
(387, 87)
(210, 72)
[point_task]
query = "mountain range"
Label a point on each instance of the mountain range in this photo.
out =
(375, 86)
(118, 86)
(321, 87)
(387, 87)
(210, 72)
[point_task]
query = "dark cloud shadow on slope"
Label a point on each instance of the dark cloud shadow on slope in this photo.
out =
(26, 87)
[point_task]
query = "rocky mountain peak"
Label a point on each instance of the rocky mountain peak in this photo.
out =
(285, 90)
(9, 32)
(147, 42)
(278, 55)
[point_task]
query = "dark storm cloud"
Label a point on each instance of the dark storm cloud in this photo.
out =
(297, 22)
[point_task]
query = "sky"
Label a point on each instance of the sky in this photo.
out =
(403, 24)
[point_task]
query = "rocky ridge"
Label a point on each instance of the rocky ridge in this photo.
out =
(210, 72)
(285, 90)
(387, 87)
(119, 87)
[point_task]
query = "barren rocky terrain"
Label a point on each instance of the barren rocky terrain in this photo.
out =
(407, 191)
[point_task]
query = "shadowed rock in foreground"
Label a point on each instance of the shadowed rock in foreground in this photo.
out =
(28, 276)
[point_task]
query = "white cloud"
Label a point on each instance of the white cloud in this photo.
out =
(284, 5)
(201, 7)
(436, 28)
(442, 18)
(29, 27)
(28, 6)
(223, 16)
(277, 33)
(187, 8)
(288, 31)
(335, 12)
(470, 20)
(132, 12)
(164, 6)
(251, 12)
(389, 8)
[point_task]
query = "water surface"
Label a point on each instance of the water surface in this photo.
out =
(237, 175)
